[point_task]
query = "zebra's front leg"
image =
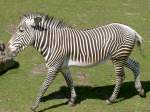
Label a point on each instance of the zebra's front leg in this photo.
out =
(67, 75)
(119, 69)
(48, 80)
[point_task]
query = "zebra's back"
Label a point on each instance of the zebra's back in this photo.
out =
(92, 46)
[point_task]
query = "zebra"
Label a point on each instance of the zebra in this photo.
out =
(63, 46)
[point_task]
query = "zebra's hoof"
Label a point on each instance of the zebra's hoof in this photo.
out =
(71, 103)
(109, 102)
(33, 109)
(142, 93)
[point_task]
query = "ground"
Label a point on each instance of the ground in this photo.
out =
(19, 87)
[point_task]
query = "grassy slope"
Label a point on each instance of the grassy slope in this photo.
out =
(18, 88)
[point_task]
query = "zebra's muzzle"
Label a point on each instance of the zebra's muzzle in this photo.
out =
(11, 52)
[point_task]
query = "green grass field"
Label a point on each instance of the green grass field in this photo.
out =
(19, 87)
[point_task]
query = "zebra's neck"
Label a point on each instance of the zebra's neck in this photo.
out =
(46, 42)
(40, 42)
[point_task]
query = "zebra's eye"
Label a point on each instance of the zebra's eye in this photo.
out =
(21, 29)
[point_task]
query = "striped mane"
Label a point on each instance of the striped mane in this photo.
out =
(52, 22)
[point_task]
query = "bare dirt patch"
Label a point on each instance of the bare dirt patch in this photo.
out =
(39, 69)
(132, 13)
(125, 4)
(82, 77)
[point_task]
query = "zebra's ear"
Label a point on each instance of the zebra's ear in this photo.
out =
(37, 20)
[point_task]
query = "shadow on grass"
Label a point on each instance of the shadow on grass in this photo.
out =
(8, 66)
(88, 92)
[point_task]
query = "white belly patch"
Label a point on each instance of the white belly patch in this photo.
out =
(84, 64)
(77, 63)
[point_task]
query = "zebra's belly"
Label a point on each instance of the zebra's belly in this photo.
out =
(86, 64)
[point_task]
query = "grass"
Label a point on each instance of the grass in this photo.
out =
(18, 87)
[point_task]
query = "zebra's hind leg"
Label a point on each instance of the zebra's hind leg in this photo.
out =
(119, 69)
(67, 75)
(135, 67)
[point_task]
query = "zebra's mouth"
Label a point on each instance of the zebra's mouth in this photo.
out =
(11, 51)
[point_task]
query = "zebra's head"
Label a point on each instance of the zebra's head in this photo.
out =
(24, 35)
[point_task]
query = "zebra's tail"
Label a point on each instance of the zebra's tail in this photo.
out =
(139, 42)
